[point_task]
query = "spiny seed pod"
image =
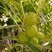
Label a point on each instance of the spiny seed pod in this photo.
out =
(34, 41)
(30, 19)
(31, 31)
(40, 36)
(22, 37)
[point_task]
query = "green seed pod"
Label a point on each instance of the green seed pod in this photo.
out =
(30, 19)
(22, 37)
(34, 41)
(40, 36)
(31, 31)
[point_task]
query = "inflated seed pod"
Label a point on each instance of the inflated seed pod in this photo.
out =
(22, 37)
(30, 19)
(40, 36)
(31, 31)
(34, 41)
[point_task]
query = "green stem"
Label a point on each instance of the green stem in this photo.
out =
(22, 10)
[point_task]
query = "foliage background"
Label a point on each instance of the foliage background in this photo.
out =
(26, 25)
